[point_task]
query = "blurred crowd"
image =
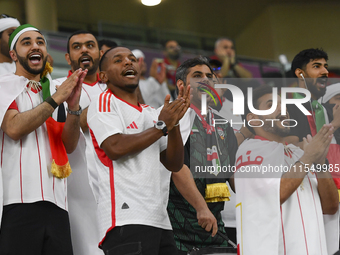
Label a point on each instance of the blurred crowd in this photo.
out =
(187, 156)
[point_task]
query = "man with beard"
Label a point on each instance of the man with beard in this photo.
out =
(34, 146)
(280, 201)
(195, 210)
(310, 67)
(225, 53)
(83, 52)
(172, 54)
(7, 26)
(130, 143)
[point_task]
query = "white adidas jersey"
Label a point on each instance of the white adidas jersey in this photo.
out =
(26, 163)
(130, 188)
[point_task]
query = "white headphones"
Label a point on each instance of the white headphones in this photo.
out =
(302, 75)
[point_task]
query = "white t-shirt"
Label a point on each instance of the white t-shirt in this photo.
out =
(130, 187)
(26, 163)
(152, 92)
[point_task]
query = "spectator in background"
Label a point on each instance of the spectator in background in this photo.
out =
(7, 26)
(332, 95)
(172, 54)
(225, 53)
(153, 89)
(106, 44)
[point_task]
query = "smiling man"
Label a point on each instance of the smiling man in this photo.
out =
(311, 68)
(279, 202)
(34, 195)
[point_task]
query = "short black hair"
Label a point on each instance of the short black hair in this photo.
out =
(215, 62)
(78, 32)
(305, 56)
(108, 43)
(103, 59)
(257, 93)
(183, 70)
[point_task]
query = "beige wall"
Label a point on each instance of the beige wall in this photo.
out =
(13, 8)
(290, 28)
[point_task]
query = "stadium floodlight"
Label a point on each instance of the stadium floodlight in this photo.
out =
(151, 2)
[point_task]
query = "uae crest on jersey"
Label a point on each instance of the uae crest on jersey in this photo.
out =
(220, 132)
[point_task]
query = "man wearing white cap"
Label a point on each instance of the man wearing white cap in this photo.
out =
(7, 26)
(153, 89)
(34, 146)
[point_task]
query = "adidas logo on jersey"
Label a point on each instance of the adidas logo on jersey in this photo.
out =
(125, 206)
(132, 126)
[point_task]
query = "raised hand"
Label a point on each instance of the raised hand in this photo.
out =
(316, 148)
(159, 76)
(66, 88)
(187, 97)
(73, 99)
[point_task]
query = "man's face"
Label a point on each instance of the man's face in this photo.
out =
(197, 77)
(172, 50)
(316, 74)
(30, 51)
(122, 69)
(4, 47)
(84, 53)
(225, 48)
(274, 127)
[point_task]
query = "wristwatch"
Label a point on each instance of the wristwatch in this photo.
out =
(161, 126)
(75, 112)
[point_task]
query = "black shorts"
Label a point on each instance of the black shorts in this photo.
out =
(139, 239)
(35, 228)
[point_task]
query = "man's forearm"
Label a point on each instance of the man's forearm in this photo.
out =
(122, 145)
(19, 124)
(185, 184)
(83, 120)
(328, 192)
(173, 157)
(71, 131)
(291, 180)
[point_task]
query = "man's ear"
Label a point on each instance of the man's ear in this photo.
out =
(67, 57)
(299, 73)
(254, 119)
(179, 83)
(101, 53)
(13, 55)
(103, 77)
